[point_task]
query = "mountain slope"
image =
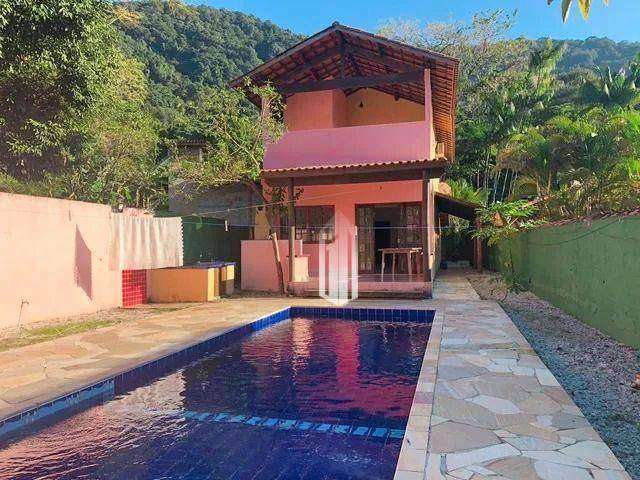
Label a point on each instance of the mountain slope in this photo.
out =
(186, 47)
(597, 52)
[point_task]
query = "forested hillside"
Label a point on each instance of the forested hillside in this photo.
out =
(185, 48)
(91, 107)
(592, 52)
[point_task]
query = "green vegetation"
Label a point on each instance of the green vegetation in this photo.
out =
(92, 105)
(80, 324)
(94, 101)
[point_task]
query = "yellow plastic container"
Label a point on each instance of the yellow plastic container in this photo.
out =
(174, 285)
(227, 279)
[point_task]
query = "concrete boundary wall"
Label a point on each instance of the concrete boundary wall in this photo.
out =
(590, 270)
(54, 259)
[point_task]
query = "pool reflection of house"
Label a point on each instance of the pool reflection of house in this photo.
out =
(370, 129)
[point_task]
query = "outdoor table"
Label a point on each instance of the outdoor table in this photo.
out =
(394, 252)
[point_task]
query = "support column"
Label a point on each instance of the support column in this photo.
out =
(478, 250)
(426, 253)
(292, 228)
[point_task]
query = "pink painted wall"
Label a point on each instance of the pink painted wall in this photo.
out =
(313, 110)
(54, 255)
(350, 146)
(380, 108)
(345, 198)
(258, 267)
(327, 128)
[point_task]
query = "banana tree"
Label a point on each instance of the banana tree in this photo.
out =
(585, 7)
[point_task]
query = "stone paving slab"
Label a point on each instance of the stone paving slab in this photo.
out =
(485, 406)
(497, 412)
(33, 375)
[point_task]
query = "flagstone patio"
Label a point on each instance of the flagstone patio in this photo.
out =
(485, 406)
(497, 412)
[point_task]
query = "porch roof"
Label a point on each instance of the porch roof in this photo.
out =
(348, 58)
(359, 173)
(456, 207)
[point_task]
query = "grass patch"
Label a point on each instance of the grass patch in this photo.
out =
(30, 336)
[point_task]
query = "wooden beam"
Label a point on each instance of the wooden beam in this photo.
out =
(292, 231)
(308, 65)
(382, 59)
(425, 227)
(354, 82)
(478, 249)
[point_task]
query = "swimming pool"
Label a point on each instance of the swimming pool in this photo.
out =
(324, 394)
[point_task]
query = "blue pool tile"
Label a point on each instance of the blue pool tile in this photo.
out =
(270, 422)
(394, 433)
(237, 419)
(304, 425)
(360, 431)
(341, 428)
(220, 417)
(286, 424)
(254, 421)
(323, 427)
(379, 432)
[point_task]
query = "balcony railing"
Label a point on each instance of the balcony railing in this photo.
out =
(350, 146)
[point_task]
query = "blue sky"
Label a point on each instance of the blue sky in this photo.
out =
(620, 21)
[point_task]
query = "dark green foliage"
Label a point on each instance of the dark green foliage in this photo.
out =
(53, 55)
(206, 240)
(595, 52)
(185, 48)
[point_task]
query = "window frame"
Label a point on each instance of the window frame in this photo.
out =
(328, 226)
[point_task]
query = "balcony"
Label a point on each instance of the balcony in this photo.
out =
(350, 146)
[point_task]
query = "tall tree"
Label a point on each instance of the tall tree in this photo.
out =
(52, 57)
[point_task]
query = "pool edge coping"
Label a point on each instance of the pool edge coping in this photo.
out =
(91, 389)
(412, 461)
(111, 376)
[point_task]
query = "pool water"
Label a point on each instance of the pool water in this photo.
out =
(302, 399)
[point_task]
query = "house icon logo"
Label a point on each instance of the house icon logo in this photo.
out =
(338, 266)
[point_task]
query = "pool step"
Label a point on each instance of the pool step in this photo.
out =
(285, 424)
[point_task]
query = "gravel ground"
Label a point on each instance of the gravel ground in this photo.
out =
(595, 369)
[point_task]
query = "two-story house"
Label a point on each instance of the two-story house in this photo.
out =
(370, 129)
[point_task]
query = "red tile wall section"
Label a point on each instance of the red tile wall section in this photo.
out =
(134, 287)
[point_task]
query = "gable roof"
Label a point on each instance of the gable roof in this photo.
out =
(320, 57)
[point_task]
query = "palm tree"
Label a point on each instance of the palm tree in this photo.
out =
(463, 190)
(532, 155)
(619, 90)
(585, 7)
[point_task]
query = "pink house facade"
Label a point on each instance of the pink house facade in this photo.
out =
(370, 128)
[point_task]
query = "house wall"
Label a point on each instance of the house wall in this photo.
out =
(379, 107)
(314, 110)
(54, 259)
(392, 142)
(345, 198)
(383, 130)
(258, 268)
(332, 109)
